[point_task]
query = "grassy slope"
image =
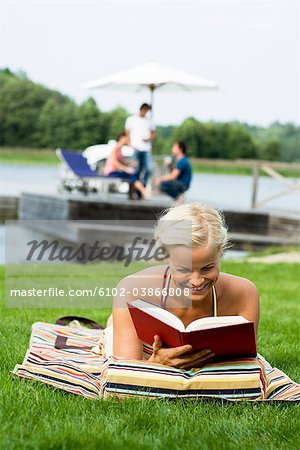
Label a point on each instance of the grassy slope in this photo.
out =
(37, 416)
(48, 157)
(233, 170)
(25, 156)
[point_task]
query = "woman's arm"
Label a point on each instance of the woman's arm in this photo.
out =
(125, 340)
(249, 304)
(126, 343)
(240, 297)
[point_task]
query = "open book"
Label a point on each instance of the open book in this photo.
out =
(226, 336)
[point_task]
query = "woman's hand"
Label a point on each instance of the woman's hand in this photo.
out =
(180, 357)
(133, 163)
(129, 170)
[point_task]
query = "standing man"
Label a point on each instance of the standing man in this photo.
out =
(179, 179)
(142, 132)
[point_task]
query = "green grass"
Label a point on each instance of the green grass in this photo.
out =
(48, 157)
(275, 250)
(233, 170)
(28, 156)
(36, 416)
(199, 168)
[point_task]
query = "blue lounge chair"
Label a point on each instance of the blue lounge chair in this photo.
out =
(77, 163)
(78, 175)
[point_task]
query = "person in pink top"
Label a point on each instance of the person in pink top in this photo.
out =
(116, 167)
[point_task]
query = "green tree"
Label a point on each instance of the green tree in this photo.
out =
(270, 151)
(161, 145)
(189, 132)
(213, 140)
(89, 122)
(240, 143)
(32, 115)
(288, 135)
(115, 123)
(58, 125)
(21, 101)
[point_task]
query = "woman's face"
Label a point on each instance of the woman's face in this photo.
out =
(196, 269)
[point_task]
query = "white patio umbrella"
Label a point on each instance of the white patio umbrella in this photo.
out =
(152, 76)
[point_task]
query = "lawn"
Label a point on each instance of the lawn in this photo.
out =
(36, 416)
(48, 157)
(26, 156)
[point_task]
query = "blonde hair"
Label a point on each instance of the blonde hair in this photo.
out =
(192, 225)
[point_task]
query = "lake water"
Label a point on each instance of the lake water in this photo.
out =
(228, 191)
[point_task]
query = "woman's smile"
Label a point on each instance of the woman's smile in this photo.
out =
(202, 288)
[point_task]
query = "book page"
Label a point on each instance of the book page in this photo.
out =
(159, 313)
(215, 322)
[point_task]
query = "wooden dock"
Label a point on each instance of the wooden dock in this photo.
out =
(8, 208)
(247, 228)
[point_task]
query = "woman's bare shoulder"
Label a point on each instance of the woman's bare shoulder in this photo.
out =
(238, 294)
(235, 282)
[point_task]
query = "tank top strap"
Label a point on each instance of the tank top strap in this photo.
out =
(214, 302)
(165, 287)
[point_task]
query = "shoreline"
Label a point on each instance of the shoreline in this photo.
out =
(218, 170)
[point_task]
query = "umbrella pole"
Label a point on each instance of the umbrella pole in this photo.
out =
(152, 89)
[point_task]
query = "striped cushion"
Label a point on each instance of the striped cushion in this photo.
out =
(89, 374)
(238, 379)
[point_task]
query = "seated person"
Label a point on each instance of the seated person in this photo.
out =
(179, 179)
(116, 167)
(194, 237)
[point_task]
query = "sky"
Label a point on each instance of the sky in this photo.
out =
(250, 48)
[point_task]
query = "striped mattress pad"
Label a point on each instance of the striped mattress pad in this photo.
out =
(87, 372)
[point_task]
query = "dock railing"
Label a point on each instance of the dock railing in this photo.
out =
(291, 187)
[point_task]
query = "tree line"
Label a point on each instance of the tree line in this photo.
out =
(32, 115)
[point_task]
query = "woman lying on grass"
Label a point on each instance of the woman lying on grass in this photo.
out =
(194, 237)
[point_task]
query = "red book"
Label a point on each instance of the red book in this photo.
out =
(226, 336)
